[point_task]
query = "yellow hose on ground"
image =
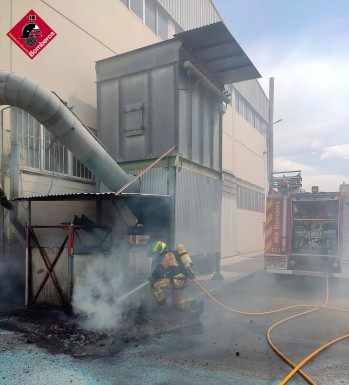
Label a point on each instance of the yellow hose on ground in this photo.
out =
(286, 359)
(279, 352)
(294, 371)
(337, 309)
(248, 312)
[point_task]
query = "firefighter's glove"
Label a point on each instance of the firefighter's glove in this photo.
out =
(189, 272)
(159, 272)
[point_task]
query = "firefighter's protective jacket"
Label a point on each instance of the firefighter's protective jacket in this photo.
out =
(168, 267)
(173, 270)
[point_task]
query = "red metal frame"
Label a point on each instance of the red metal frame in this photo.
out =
(49, 267)
(69, 241)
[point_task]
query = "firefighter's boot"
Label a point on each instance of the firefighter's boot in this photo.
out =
(197, 307)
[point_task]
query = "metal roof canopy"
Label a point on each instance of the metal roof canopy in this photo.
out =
(142, 205)
(89, 196)
(214, 48)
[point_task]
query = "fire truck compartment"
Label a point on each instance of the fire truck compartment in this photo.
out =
(315, 227)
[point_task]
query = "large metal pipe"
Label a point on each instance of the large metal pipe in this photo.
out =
(26, 94)
(189, 66)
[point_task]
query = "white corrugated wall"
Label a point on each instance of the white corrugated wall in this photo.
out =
(192, 14)
(250, 232)
(253, 92)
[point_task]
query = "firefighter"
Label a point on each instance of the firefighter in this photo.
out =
(172, 270)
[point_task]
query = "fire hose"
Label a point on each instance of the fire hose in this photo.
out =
(126, 295)
(296, 368)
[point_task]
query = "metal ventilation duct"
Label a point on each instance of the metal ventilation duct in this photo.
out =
(48, 109)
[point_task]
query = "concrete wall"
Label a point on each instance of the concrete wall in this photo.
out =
(250, 166)
(249, 153)
(244, 156)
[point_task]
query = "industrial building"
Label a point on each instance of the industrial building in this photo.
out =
(140, 77)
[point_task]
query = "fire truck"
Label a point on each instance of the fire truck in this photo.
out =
(306, 233)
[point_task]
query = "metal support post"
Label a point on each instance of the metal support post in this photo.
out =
(217, 275)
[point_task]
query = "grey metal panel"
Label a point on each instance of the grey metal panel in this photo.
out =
(216, 142)
(252, 91)
(133, 90)
(108, 116)
(162, 110)
(206, 131)
(152, 56)
(198, 203)
(196, 125)
(185, 118)
(193, 13)
(154, 181)
(137, 113)
(143, 114)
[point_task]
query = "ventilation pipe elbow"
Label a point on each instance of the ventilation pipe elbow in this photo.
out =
(26, 94)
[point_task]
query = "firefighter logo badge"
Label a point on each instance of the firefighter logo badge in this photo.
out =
(31, 34)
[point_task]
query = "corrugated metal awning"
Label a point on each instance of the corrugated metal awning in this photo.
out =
(147, 208)
(214, 48)
(87, 196)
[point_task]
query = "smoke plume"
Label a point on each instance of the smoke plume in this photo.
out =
(95, 297)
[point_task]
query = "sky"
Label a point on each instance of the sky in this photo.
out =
(304, 46)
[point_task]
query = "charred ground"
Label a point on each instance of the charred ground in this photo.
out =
(58, 333)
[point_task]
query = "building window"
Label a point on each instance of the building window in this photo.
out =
(162, 25)
(154, 17)
(150, 15)
(249, 199)
(27, 131)
(136, 6)
(55, 154)
(41, 151)
(81, 171)
(249, 114)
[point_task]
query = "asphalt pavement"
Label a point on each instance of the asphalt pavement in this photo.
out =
(233, 269)
(218, 348)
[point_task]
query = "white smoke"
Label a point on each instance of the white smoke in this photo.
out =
(95, 296)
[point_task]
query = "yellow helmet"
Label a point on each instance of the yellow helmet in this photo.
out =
(180, 248)
(158, 247)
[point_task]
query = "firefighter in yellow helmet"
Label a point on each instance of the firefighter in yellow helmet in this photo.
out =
(173, 269)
